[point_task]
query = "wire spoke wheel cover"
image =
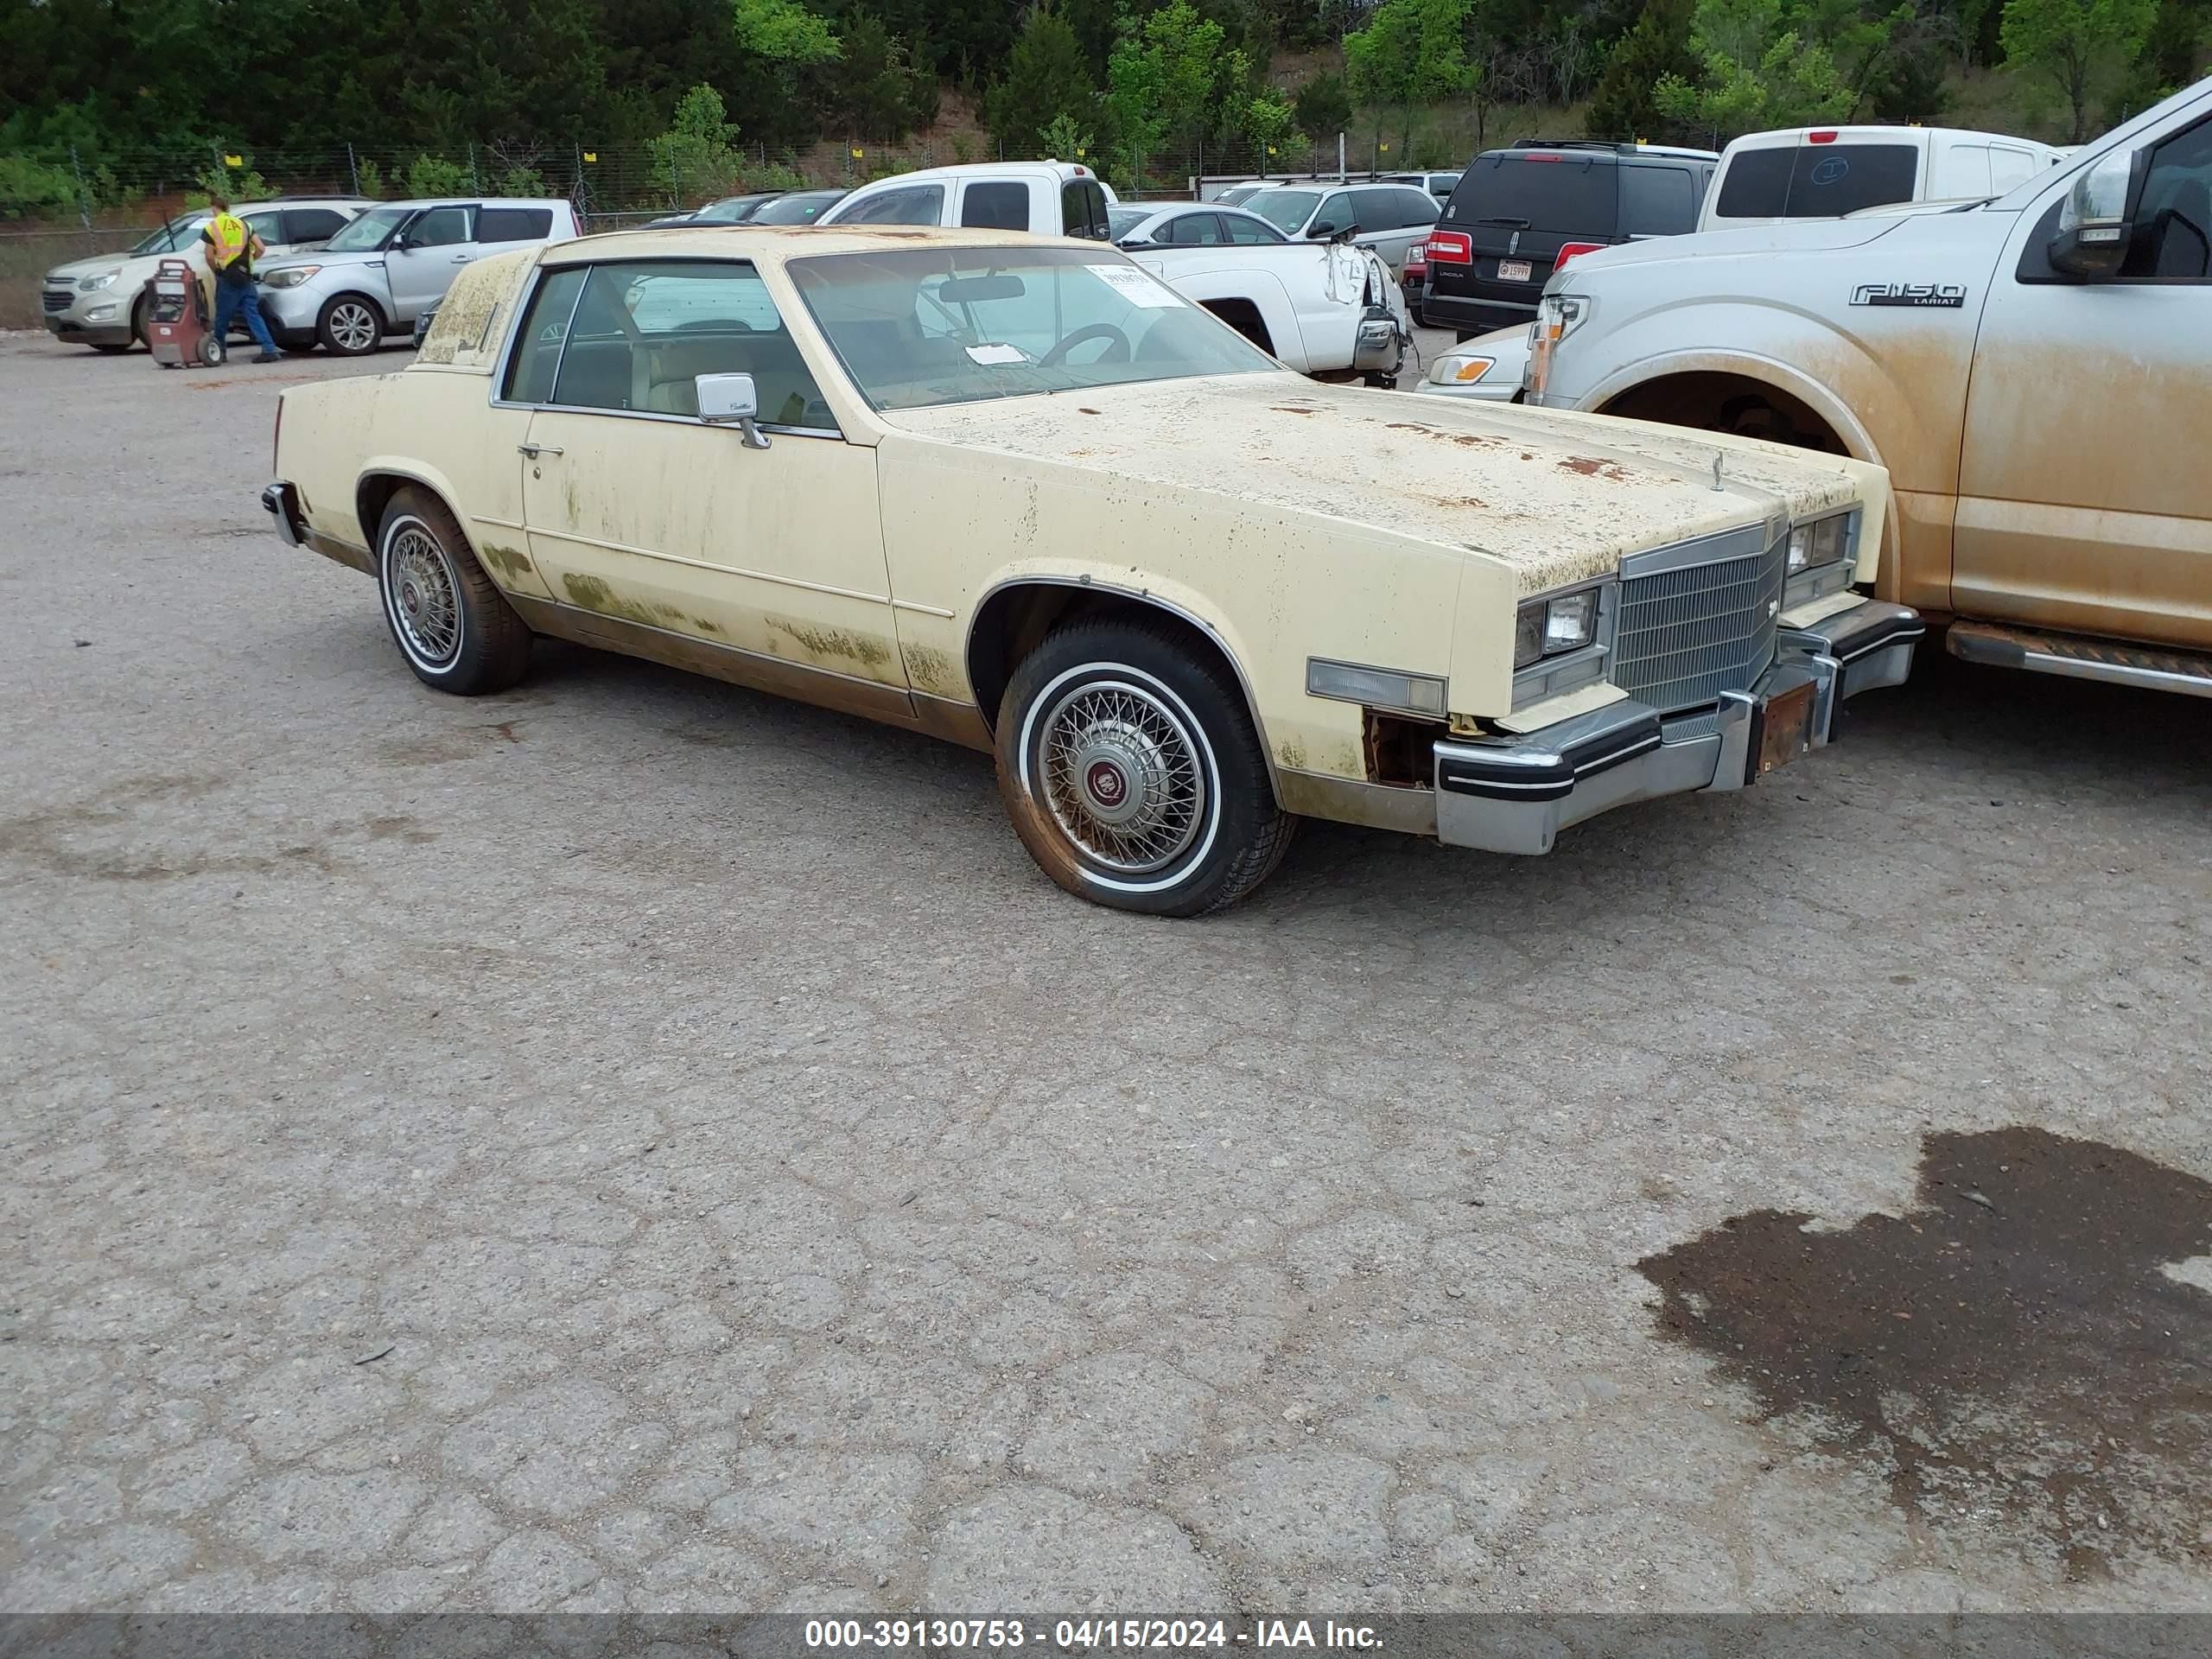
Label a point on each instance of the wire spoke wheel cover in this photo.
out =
(423, 593)
(1123, 771)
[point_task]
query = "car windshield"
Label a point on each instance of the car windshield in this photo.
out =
(803, 209)
(1284, 209)
(920, 328)
(369, 231)
(1120, 221)
(176, 236)
(737, 208)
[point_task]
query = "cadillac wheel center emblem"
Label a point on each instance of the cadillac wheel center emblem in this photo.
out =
(1107, 784)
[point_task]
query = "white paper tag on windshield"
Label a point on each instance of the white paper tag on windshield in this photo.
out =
(1135, 287)
(987, 354)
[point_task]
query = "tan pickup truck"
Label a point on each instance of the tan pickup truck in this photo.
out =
(2034, 371)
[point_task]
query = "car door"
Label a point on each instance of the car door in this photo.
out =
(647, 517)
(2082, 501)
(423, 259)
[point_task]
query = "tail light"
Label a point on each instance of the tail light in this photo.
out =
(1826, 136)
(1572, 250)
(1451, 248)
(1417, 256)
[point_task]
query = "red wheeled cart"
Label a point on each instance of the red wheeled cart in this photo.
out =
(179, 330)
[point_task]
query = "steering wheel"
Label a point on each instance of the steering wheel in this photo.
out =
(1117, 351)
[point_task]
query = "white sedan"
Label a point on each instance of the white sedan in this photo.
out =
(1488, 368)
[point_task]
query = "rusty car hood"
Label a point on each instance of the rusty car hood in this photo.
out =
(1559, 496)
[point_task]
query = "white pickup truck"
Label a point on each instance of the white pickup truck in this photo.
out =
(1329, 310)
(2035, 369)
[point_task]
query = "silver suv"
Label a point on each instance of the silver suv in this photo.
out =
(101, 302)
(395, 263)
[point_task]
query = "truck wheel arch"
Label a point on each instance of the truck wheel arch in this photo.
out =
(1244, 317)
(1014, 616)
(1703, 385)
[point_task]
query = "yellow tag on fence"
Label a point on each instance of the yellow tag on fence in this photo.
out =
(591, 154)
(233, 161)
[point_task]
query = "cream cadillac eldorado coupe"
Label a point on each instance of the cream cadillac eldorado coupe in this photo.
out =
(1017, 492)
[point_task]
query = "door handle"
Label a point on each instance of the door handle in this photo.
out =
(534, 450)
(461, 259)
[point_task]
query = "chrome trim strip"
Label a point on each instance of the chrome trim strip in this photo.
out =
(1747, 541)
(2147, 679)
(502, 524)
(708, 564)
(923, 610)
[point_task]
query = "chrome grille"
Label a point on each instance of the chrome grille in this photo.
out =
(1686, 636)
(56, 299)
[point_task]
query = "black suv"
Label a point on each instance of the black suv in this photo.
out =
(1516, 215)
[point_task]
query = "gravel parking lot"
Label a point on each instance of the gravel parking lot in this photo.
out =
(632, 1143)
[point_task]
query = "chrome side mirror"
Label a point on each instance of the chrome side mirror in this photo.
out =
(2094, 229)
(730, 400)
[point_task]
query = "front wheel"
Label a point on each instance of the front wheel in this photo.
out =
(452, 624)
(1133, 773)
(350, 326)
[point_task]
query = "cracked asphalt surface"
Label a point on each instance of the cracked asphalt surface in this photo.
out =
(635, 1144)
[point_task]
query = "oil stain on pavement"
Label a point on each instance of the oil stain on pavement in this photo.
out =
(2014, 1347)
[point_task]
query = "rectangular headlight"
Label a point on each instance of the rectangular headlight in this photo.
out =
(1570, 621)
(1375, 687)
(1822, 542)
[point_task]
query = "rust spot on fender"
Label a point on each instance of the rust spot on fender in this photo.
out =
(1589, 467)
(593, 595)
(2017, 1342)
(510, 561)
(932, 670)
(832, 644)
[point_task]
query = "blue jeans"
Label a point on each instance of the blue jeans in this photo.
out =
(230, 298)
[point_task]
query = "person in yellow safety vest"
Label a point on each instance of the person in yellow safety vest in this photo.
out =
(232, 249)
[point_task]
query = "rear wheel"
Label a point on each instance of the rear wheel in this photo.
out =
(453, 627)
(350, 326)
(1132, 774)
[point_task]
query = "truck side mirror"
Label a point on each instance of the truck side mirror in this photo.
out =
(2095, 221)
(730, 400)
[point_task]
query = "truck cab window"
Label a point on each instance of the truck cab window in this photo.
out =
(996, 204)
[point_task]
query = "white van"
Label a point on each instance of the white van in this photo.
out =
(1828, 172)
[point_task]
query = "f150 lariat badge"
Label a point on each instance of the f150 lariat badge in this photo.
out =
(1950, 296)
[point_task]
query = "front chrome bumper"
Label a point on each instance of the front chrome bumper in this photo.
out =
(1514, 792)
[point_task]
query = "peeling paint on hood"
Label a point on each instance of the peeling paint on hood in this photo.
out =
(1561, 498)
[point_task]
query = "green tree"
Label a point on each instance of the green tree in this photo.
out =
(2067, 40)
(1657, 48)
(1754, 70)
(1411, 50)
(1046, 78)
(784, 32)
(876, 79)
(1269, 119)
(1066, 139)
(697, 156)
(1322, 107)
